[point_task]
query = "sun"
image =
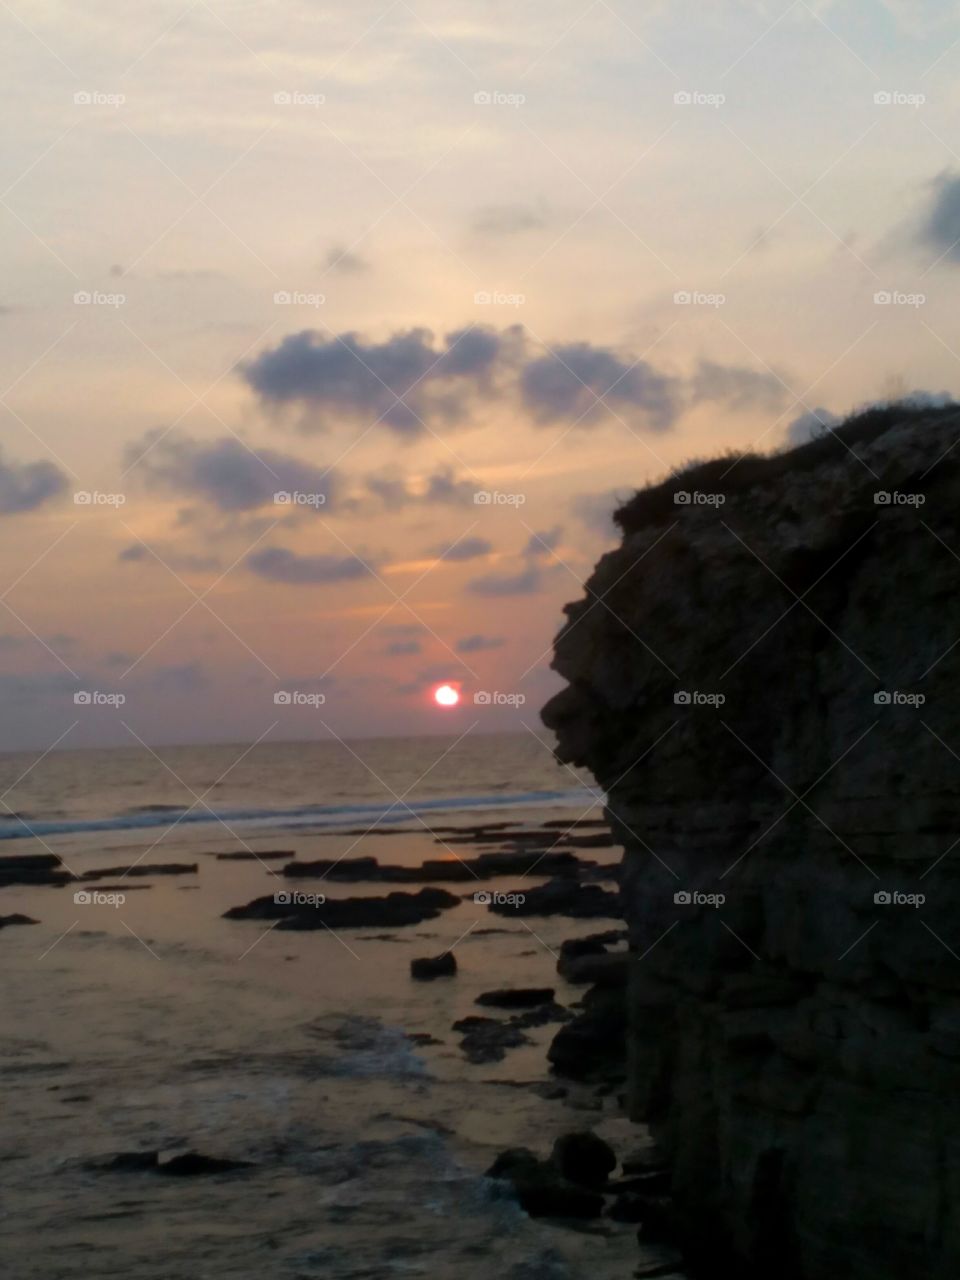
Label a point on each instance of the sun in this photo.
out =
(446, 695)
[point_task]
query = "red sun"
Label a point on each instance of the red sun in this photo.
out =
(446, 695)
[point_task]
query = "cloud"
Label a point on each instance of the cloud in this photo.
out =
(26, 486)
(411, 384)
(406, 382)
(940, 228)
(278, 564)
(737, 388)
(508, 219)
(465, 549)
(163, 553)
(542, 543)
(442, 488)
(580, 383)
(401, 647)
(525, 583)
(345, 261)
(225, 472)
(185, 678)
(479, 644)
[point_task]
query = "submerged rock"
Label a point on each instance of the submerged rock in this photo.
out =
(144, 869)
(394, 910)
(426, 968)
(541, 1189)
(16, 918)
(562, 896)
(584, 1158)
(488, 1039)
(516, 997)
(32, 868)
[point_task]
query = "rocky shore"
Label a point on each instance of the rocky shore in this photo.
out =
(763, 679)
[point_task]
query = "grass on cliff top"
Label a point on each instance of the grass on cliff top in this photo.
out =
(734, 472)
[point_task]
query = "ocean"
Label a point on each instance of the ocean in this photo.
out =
(154, 1024)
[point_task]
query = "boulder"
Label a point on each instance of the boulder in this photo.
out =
(584, 1158)
(425, 968)
(516, 997)
(541, 1190)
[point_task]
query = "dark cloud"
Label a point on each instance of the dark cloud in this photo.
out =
(170, 556)
(411, 383)
(277, 564)
(26, 486)
(442, 488)
(479, 644)
(401, 647)
(509, 219)
(525, 583)
(542, 543)
(405, 382)
(737, 388)
(185, 678)
(345, 261)
(580, 383)
(225, 472)
(940, 228)
(465, 549)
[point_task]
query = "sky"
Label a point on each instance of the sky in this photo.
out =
(333, 334)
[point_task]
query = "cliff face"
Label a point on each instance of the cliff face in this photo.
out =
(795, 1038)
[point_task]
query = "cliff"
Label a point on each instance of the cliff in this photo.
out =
(763, 677)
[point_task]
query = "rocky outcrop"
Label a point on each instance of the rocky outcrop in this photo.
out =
(763, 678)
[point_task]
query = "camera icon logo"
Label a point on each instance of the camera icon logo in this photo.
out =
(482, 298)
(481, 698)
(283, 498)
(883, 98)
(82, 698)
(82, 98)
(482, 498)
(682, 298)
(282, 298)
(681, 698)
(82, 298)
(482, 898)
(81, 898)
(283, 898)
(282, 98)
(882, 898)
(882, 298)
(681, 498)
(83, 498)
(483, 98)
(882, 698)
(682, 898)
(683, 98)
(282, 699)
(881, 498)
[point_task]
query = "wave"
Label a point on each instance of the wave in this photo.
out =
(320, 815)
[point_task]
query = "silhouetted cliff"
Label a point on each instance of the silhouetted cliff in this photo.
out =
(765, 679)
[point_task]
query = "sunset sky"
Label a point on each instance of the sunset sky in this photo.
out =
(388, 257)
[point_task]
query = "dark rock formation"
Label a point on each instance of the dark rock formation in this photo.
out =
(189, 1164)
(345, 913)
(541, 1189)
(488, 1039)
(32, 868)
(425, 968)
(16, 918)
(517, 997)
(791, 875)
(561, 897)
(584, 1158)
(501, 863)
(144, 869)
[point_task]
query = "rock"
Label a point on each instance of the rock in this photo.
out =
(394, 910)
(605, 970)
(16, 918)
(144, 869)
(32, 868)
(126, 1162)
(627, 1209)
(541, 1190)
(516, 997)
(488, 1039)
(584, 1158)
(426, 968)
(594, 1042)
(559, 897)
(794, 1042)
